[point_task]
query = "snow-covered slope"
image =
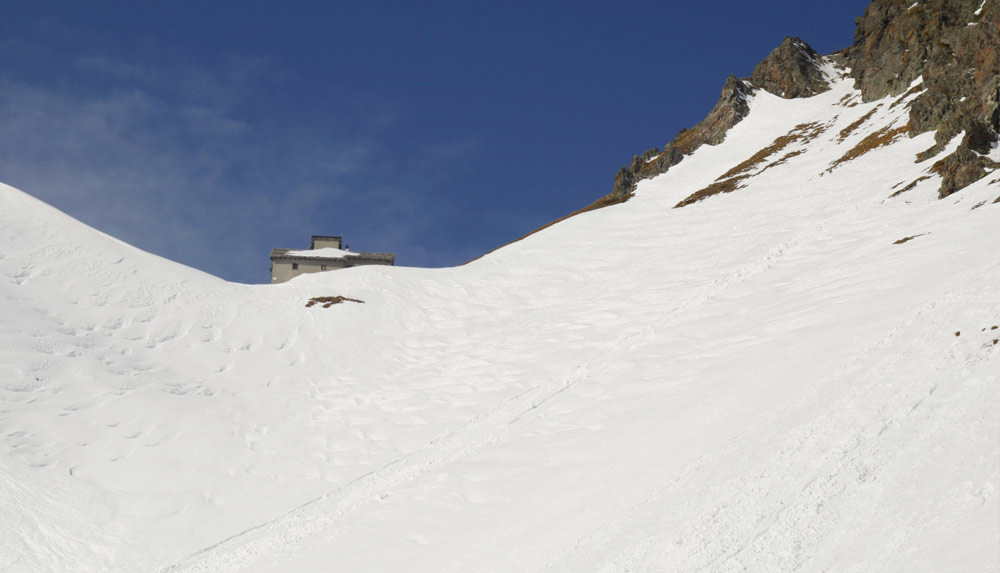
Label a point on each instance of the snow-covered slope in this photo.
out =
(765, 380)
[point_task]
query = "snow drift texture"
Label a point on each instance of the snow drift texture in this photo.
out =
(796, 371)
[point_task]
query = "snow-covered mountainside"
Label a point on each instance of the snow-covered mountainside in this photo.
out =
(799, 372)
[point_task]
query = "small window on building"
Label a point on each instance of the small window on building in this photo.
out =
(295, 266)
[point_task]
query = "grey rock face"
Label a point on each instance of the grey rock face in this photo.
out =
(956, 53)
(790, 71)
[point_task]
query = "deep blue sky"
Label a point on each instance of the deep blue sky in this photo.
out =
(209, 132)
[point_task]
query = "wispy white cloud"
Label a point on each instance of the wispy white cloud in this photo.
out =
(176, 178)
(165, 159)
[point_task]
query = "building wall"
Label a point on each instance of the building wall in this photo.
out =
(326, 242)
(282, 271)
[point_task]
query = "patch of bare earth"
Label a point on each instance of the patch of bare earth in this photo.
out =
(995, 340)
(732, 180)
(847, 131)
(328, 301)
(784, 159)
(849, 100)
(880, 138)
(912, 184)
(915, 89)
(907, 239)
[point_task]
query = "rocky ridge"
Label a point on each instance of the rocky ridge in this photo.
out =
(790, 71)
(945, 49)
(952, 47)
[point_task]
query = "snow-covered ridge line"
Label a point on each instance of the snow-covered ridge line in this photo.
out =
(792, 70)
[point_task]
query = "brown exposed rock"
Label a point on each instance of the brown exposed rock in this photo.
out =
(847, 131)
(784, 159)
(790, 71)
(804, 132)
(715, 188)
(961, 169)
(849, 100)
(728, 111)
(979, 137)
(907, 239)
(873, 141)
(945, 42)
(956, 51)
(895, 43)
(911, 185)
(328, 301)
(914, 90)
(732, 179)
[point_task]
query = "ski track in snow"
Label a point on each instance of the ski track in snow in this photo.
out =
(846, 460)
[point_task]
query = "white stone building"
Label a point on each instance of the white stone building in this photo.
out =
(324, 254)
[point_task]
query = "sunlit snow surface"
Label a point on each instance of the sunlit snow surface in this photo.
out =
(761, 381)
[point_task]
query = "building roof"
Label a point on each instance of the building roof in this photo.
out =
(328, 254)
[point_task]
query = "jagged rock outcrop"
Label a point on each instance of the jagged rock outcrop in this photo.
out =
(728, 111)
(790, 71)
(953, 45)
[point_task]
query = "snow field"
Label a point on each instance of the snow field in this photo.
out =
(759, 381)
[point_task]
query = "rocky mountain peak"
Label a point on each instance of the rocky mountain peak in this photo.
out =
(951, 46)
(728, 111)
(790, 71)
